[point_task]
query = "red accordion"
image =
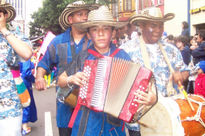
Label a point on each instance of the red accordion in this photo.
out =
(111, 86)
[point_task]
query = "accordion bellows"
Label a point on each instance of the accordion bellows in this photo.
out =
(111, 86)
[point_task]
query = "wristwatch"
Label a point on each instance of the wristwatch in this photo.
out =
(7, 34)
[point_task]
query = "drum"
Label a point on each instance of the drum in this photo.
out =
(163, 119)
(173, 116)
(192, 121)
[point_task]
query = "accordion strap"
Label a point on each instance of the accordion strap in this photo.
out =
(74, 115)
(98, 55)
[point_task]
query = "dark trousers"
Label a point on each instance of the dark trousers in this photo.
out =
(134, 133)
(64, 131)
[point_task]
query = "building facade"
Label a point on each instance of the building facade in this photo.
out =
(191, 11)
(197, 15)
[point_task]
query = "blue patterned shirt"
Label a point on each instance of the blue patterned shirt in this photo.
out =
(10, 105)
(157, 62)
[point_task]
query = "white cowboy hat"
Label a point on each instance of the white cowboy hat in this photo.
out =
(71, 8)
(102, 15)
(9, 9)
(150, 14)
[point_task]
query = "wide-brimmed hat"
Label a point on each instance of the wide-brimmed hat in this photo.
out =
(103, 16)
(150, 14)
(9, 9)
(71, 8)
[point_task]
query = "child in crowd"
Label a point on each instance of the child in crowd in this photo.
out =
(200, 80)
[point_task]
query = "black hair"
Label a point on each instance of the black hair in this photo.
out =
(201, 33)
(170, 37)
(185, 25)
(182, 39)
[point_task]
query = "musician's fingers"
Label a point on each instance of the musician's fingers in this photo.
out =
(140, 101)
(146, 98)
(140, 95)
(82, 76)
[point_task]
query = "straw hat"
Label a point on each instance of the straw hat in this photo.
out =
(102, 15)
(10, 10)
(150, 14)
(71, 8)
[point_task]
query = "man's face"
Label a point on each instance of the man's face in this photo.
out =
(79, 16)
(101, 36)
(152, 31)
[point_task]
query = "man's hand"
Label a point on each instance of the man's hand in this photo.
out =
(78, 79)
(147, 98)
(180, 77)
(40, 84)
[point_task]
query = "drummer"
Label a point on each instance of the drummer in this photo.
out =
(151, 51)
(100, 26)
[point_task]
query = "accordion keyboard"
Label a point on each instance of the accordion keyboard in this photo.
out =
(98, 95)
(84, 89)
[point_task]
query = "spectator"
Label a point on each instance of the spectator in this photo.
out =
(199, 53)
(170, 39)
(30, 112)
(185, 29)
(200, 80)
(182, 45)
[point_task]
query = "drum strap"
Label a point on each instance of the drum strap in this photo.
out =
(146, 60)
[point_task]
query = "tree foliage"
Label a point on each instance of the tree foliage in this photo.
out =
(46, 18)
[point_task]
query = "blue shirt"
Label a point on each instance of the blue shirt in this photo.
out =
(59, 54)
(89, 122)
(199, 53)
(10, 105)
(186, 55)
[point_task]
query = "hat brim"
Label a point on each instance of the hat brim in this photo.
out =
(135, 19)
(10, 11)
(85, 25)
(63, 19)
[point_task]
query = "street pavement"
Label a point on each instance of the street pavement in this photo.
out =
(46, 109)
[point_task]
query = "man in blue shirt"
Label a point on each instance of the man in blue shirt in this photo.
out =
(60, 53)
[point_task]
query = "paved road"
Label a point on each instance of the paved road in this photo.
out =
(46, 108)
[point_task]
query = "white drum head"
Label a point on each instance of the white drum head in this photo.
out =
(162, 120)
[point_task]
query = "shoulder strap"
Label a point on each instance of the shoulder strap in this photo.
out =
(145, 55)
(98, 55)
(94, 53)
(165, 57)
(115, 52)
